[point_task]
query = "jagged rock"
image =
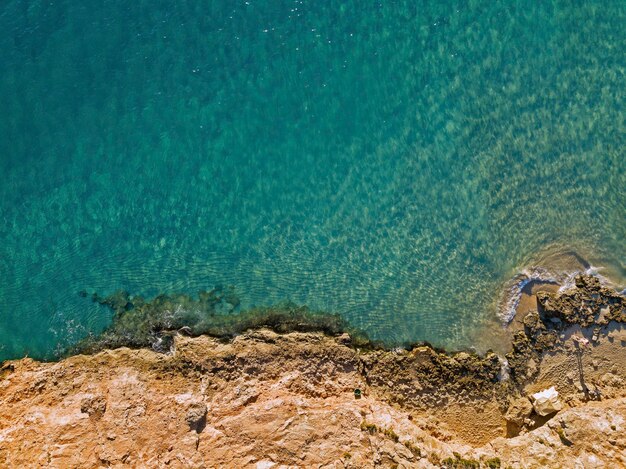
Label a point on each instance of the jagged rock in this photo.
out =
(519, 410)
(289, 398)
(610, 379)
(603, 316)
(94, 406)
(533, 324)
(531, 369)
(546, 340)
(196, 416)
(344, 338)
(587, 304)
(263, 393)
(546, 402)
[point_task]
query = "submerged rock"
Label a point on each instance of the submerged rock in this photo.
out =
(153, 323)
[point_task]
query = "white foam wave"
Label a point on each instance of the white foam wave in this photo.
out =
(513, 291)
(569, 282)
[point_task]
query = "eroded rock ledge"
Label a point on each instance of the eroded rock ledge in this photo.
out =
(308, 399)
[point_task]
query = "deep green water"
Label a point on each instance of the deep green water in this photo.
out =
(394, 161)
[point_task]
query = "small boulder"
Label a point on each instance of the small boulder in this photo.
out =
(546, 402)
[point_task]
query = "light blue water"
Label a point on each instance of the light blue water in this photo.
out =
(396, 162)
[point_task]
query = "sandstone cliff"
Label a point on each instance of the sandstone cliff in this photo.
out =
(270, 400)
(265, 399)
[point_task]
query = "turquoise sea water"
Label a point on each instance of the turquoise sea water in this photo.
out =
(396, 162)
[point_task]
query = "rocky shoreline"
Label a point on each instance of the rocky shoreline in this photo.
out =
(300, 398)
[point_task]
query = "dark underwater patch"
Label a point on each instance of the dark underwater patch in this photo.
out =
(138, 322)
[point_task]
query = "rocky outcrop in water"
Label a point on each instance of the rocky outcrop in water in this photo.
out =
(587, 303)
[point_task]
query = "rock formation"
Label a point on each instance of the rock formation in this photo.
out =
(267, 399)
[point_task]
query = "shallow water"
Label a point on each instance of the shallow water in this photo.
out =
(396, 162)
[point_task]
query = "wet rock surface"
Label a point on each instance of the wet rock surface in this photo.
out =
(588, 302)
